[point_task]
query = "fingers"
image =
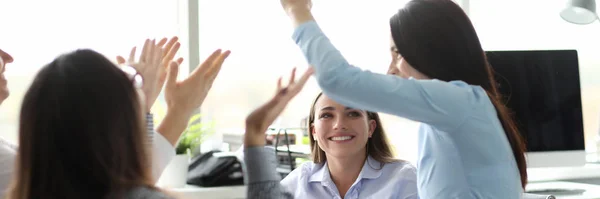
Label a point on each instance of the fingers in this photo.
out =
(132, 55)
(172, 74)
(162, 42)
(217, 64)
(157, 55)
(151, 55)
(180, 60)
(206, 64)
(293, 76)
(120, 60)
(305, 76)
(145, 50)
(278, 84)
(295, 87)
(170, 45)
(171, 51)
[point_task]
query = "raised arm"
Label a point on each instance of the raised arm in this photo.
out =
(263, 181)
(438, 103)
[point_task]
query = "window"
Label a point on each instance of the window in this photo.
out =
(36, 34)
(526, 25)
(259, 35)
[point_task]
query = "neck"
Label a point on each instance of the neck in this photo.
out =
(345, 170)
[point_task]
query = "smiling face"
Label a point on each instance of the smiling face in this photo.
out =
(341, 131)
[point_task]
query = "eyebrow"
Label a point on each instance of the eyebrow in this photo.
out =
(330, 108)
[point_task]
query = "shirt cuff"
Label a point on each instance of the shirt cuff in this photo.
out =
(162, 153)
(261, 164)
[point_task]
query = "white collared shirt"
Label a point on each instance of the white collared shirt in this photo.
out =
(8, 153)
(393, 180)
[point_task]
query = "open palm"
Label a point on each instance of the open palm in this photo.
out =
(152, 63)
(260, 119)
(189, 94)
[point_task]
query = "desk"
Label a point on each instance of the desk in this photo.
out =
(563, 173)
(579, 190)
(195, 192)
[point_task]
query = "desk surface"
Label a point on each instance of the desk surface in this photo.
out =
(566, 190)
(195, 192)
(563, 173)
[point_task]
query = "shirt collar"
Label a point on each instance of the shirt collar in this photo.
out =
(371, 170)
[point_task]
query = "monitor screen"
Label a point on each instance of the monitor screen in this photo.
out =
(542, 89)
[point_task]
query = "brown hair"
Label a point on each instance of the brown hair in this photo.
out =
(437, 38)
(81, 132)
(379, 147)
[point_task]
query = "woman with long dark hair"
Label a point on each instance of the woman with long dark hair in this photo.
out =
(82, 131)
(469, 146)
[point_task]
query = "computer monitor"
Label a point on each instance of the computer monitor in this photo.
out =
(542, 89)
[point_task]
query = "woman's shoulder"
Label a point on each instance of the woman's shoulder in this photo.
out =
(303, 171)
(301, 175)
(400, 169)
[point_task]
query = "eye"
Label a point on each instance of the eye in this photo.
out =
(325, 115)
(354, 114)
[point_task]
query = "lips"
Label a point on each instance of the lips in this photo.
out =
(341, 138)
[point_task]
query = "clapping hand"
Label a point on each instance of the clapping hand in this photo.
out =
(152, 64)
(260, 119)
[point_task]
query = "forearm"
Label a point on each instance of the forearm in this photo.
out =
(162, 150)
(251, 140)
(173, 125)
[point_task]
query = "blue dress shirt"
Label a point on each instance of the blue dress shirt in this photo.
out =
(396, 180)
(463, 151)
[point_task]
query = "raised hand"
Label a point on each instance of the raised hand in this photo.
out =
(291, 5)
(154, 60)
(183, 97)
(260, 119)
(298, 11)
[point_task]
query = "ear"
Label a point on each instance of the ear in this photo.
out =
(372, 127)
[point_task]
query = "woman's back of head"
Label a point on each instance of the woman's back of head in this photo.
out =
(437, 39)
(81, 131)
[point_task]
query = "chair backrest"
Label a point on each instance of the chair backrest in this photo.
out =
(537, 196)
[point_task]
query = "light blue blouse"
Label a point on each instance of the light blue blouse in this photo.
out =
(463, 151)
(397, 180)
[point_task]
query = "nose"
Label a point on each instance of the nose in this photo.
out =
(340, 124)
(6, 58)
(392, 69)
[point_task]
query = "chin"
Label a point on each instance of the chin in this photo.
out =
(342, 153)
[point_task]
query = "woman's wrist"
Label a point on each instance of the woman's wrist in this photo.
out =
(253, 139)
(300, 15)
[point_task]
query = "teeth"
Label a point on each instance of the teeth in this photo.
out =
(341, 138)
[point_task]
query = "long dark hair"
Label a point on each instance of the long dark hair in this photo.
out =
(81, 132)
(379, 147)
(438, 39)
